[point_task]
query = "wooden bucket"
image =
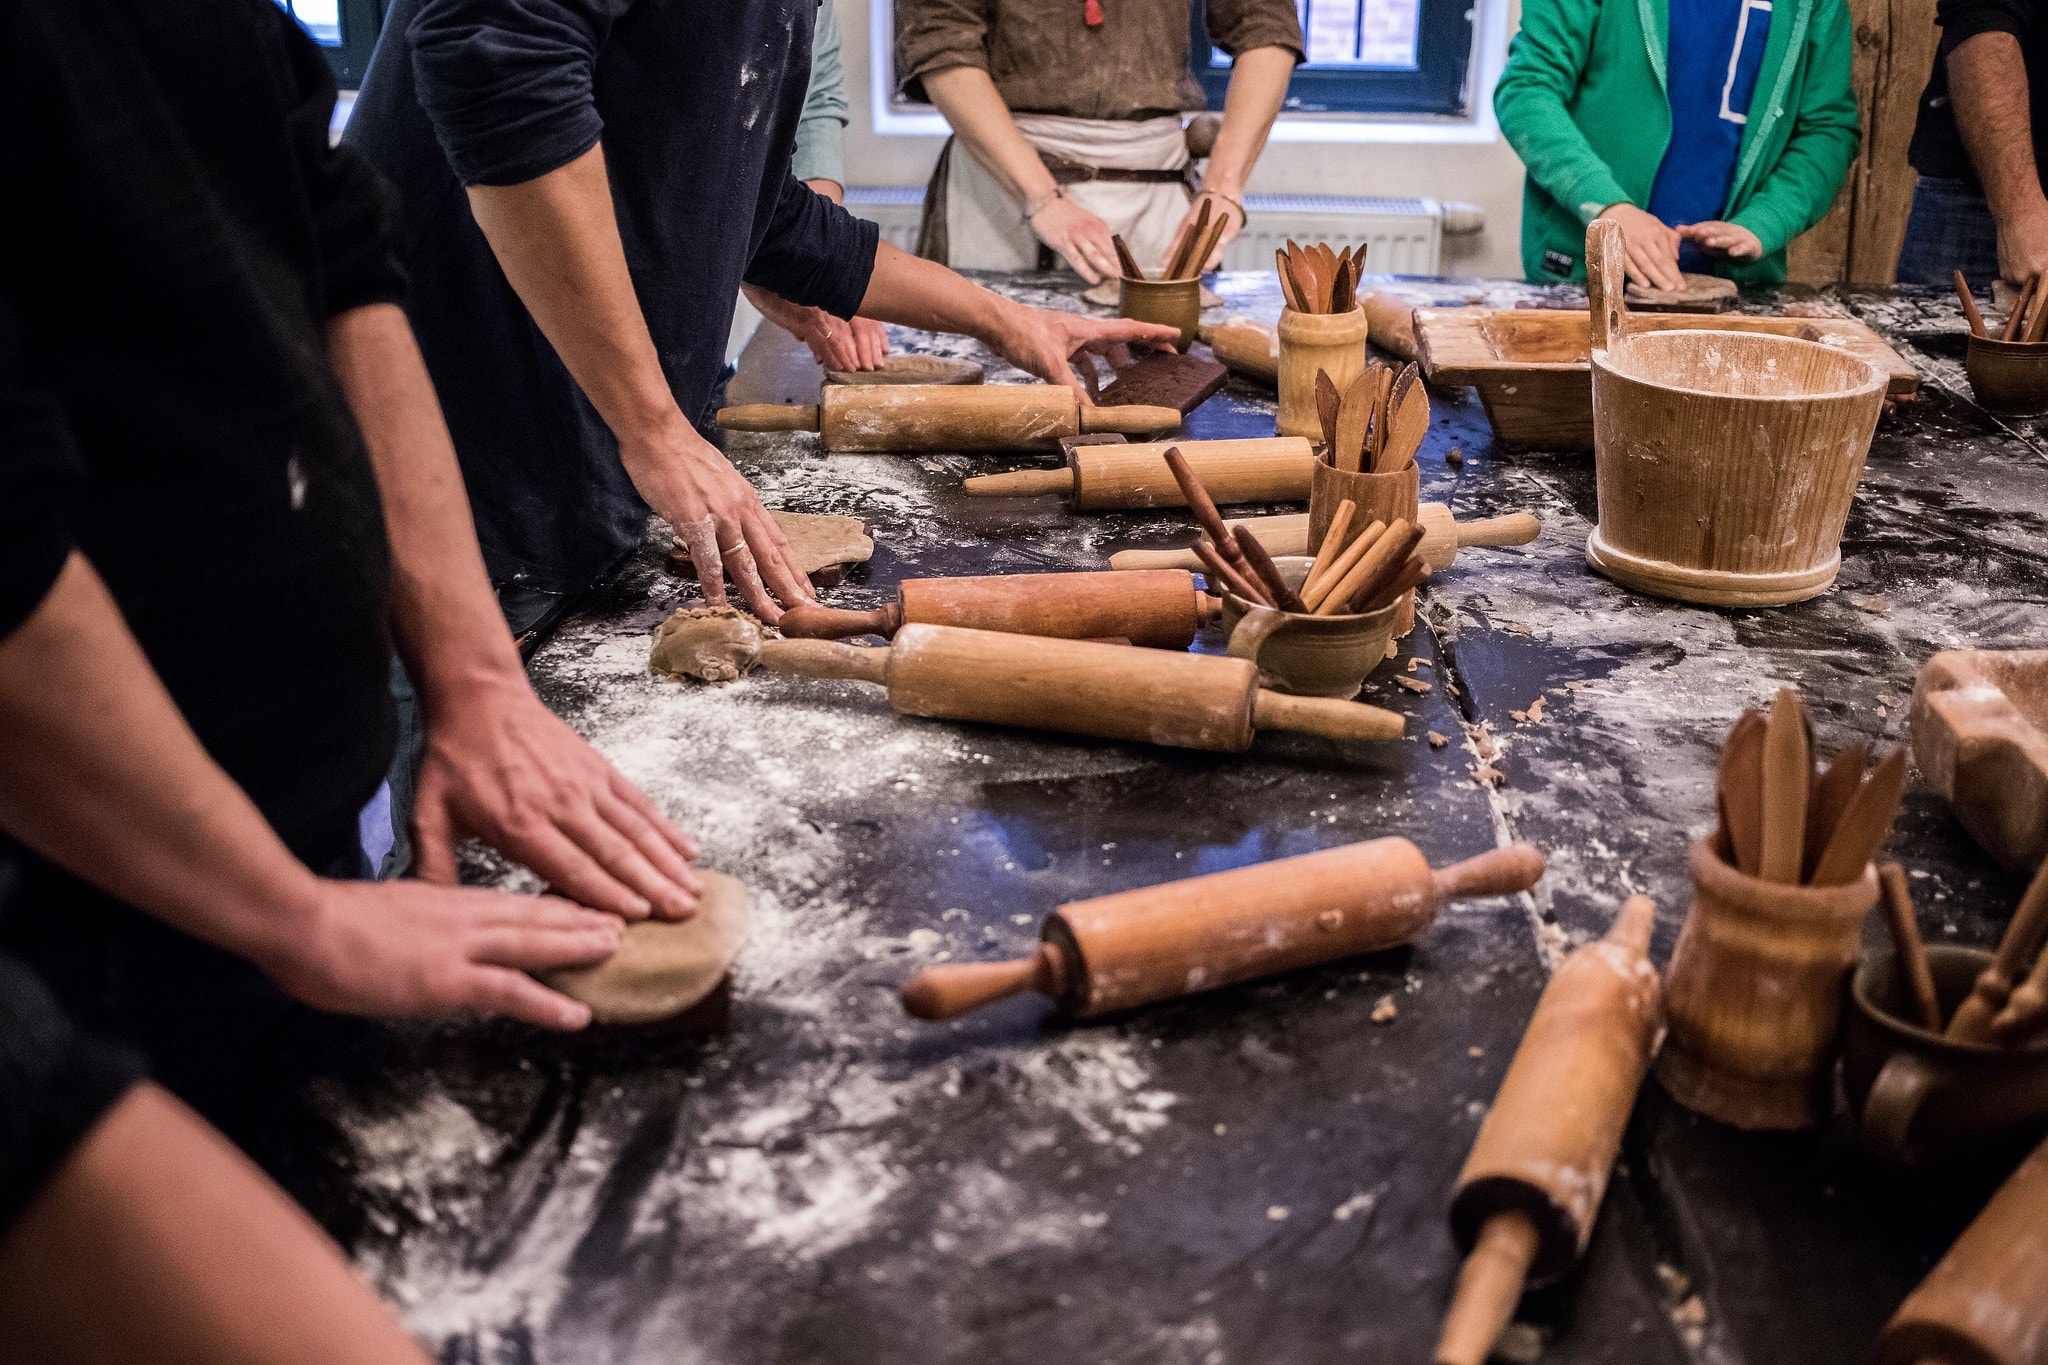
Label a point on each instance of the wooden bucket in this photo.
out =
(1726, 460)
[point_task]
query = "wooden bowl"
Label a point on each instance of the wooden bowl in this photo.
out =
(1174, 303)
(1310, 656)
(912, 369)
(2009, 377)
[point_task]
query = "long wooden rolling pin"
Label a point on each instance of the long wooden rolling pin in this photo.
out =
(1443, 535)
(1525, 1202)
(1158, 942)
(1986, 1302)
(1078, 687)
(1245, 347)
(1162, 609)
(1112, 477)
(917, 417)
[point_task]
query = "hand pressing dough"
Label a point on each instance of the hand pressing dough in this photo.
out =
(663, 967)
(824, 545)
(1702, 294)
(911, 369)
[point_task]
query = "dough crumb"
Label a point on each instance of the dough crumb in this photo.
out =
(1356, 1204)
(1455, 457)
(1416, 685)
(1437, 741)
(1277, 1212)
(1384, 1010)
(1393, 649)
(1488, 776)
(1877, 604)
(922, 939)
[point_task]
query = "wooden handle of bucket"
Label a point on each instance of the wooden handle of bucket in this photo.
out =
(1606, 282)
(769, 417)
(826, 659)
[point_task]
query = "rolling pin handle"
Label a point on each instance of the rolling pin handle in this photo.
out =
(1207, 608)
(1156, 559)
(940, 993)
(1324, 716)
(1489, 1287)
(1513, 528)
(1019, 483)
(1496, 872)
(826, 659)
(769, 417)
(1131, 419)
(809, 621)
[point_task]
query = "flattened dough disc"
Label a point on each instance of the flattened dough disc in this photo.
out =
(1702, 294)
(825, 545)
(911, 369)
(662, 967)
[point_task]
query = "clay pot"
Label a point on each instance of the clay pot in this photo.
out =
(1311, 656)
(1380, 497)
(1331, 342)
(1917, 1096)
(2009, 377)
(1754, 994)
(1173, 303)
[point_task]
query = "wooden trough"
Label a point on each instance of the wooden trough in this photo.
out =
(1726, 461)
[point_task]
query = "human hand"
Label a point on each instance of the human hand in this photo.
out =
(1716, 238)
(502, 767)
(1651, 248)
(720, 518)
(2023, 245)
(1045, 341)
(861, 344)
(1232, 225)
(1079, 236)
(408, 948)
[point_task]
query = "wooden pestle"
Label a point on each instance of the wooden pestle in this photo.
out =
(1162, 609)
(1971, 1022)
(1983, 1304)
(1078, 687)
(1443, 535)
(1245, 347)
(919, 417)
(1110, 477)
(1158, 942)
(1526, 1200)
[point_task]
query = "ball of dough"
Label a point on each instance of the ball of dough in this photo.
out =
(663, 967)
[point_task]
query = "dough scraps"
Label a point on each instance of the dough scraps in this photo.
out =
(824, 545)
(710, 644)
(663, 967)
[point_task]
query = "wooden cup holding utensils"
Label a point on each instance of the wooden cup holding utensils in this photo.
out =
(1330, 343)
(1305, 654)
(1379, 497)
(1173, 303)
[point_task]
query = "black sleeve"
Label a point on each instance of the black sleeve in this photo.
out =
(1962, 19)
(507, 84)
(40, 474)
(55, 1084)
(815, 252)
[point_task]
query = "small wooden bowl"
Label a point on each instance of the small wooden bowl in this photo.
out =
(2009, 377)
(1175, 303)
(1310, 656)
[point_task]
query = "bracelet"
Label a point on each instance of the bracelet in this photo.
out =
(1037, 205)
(1242, 216)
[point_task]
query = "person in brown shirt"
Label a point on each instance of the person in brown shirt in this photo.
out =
(1070, 114)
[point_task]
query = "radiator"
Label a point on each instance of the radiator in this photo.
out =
(1402, 236)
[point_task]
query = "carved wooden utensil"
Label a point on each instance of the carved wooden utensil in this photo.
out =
(1526, 1200)
(1741, 790)
(1907, 950)
(2023, 938)
(1787, 780)
(1865, 822)
(1162, 609)
(1159, 942)
(1832, 792)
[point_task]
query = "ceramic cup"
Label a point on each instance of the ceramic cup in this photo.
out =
(2009, 377)
(1918, 1097)
(1174, 303)
(1310, 656)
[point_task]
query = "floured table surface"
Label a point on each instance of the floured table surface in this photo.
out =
(1254, 1175)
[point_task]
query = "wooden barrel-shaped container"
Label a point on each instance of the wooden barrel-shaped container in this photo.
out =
(1726, 460)
(1754, 994)
(1331, 342)
(1379, 497)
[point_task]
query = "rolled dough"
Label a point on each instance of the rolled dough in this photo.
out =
(1702, 294)
(824, 545)
(911, 369)
(710, 644)
(663, 967)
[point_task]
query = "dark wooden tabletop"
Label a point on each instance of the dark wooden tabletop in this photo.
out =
(1256, 1174)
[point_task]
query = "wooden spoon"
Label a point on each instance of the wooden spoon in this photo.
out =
(1328, 402)
(1787, 778)
(1348, 450)
(1741, 789)
(1831, 795)
(1865, 822)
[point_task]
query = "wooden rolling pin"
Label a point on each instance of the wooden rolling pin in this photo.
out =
(1111, 477)
(1162, 609)
(915, 417)
(1390, 324)
(1077, 687)
(1986, 1302)
(1526, 1199)
(1244, 347)
(1155, 943)
(1442, 537)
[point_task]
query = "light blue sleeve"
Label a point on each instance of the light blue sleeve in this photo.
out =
(821, 133)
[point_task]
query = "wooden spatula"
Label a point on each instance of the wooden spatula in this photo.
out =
(1787, 780)
(1289, 290)
(1741, 790)
(1865, 822)
(1328, 402)
(1348, 450)
(1831, 793)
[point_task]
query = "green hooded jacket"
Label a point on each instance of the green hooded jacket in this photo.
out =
(1583, 103)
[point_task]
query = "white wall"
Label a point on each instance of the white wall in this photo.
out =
(1483, 172)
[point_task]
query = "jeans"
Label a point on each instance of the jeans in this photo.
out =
(1951, 229)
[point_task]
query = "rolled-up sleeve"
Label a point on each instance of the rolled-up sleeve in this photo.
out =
(815, 252)
(821, 133)
(1239, 26)
(938, 35)
(1964, 19)
(40, 478)
(507, 84)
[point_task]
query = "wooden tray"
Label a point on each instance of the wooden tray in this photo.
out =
(1980, 738)
(1533, 372)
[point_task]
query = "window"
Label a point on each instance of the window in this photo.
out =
(346, 31)
(1369, 57)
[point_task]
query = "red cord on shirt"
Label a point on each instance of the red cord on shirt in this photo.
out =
(1092, 11)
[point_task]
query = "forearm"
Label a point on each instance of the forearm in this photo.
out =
(1258, 87)
(557, 239)
(912, 292)
(1987, 80)
(982, 123)
(446, 621)
(100, 774)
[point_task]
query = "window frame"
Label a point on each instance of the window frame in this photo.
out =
(1439, 85)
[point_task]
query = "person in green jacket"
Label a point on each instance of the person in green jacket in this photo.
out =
(1713, 131)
